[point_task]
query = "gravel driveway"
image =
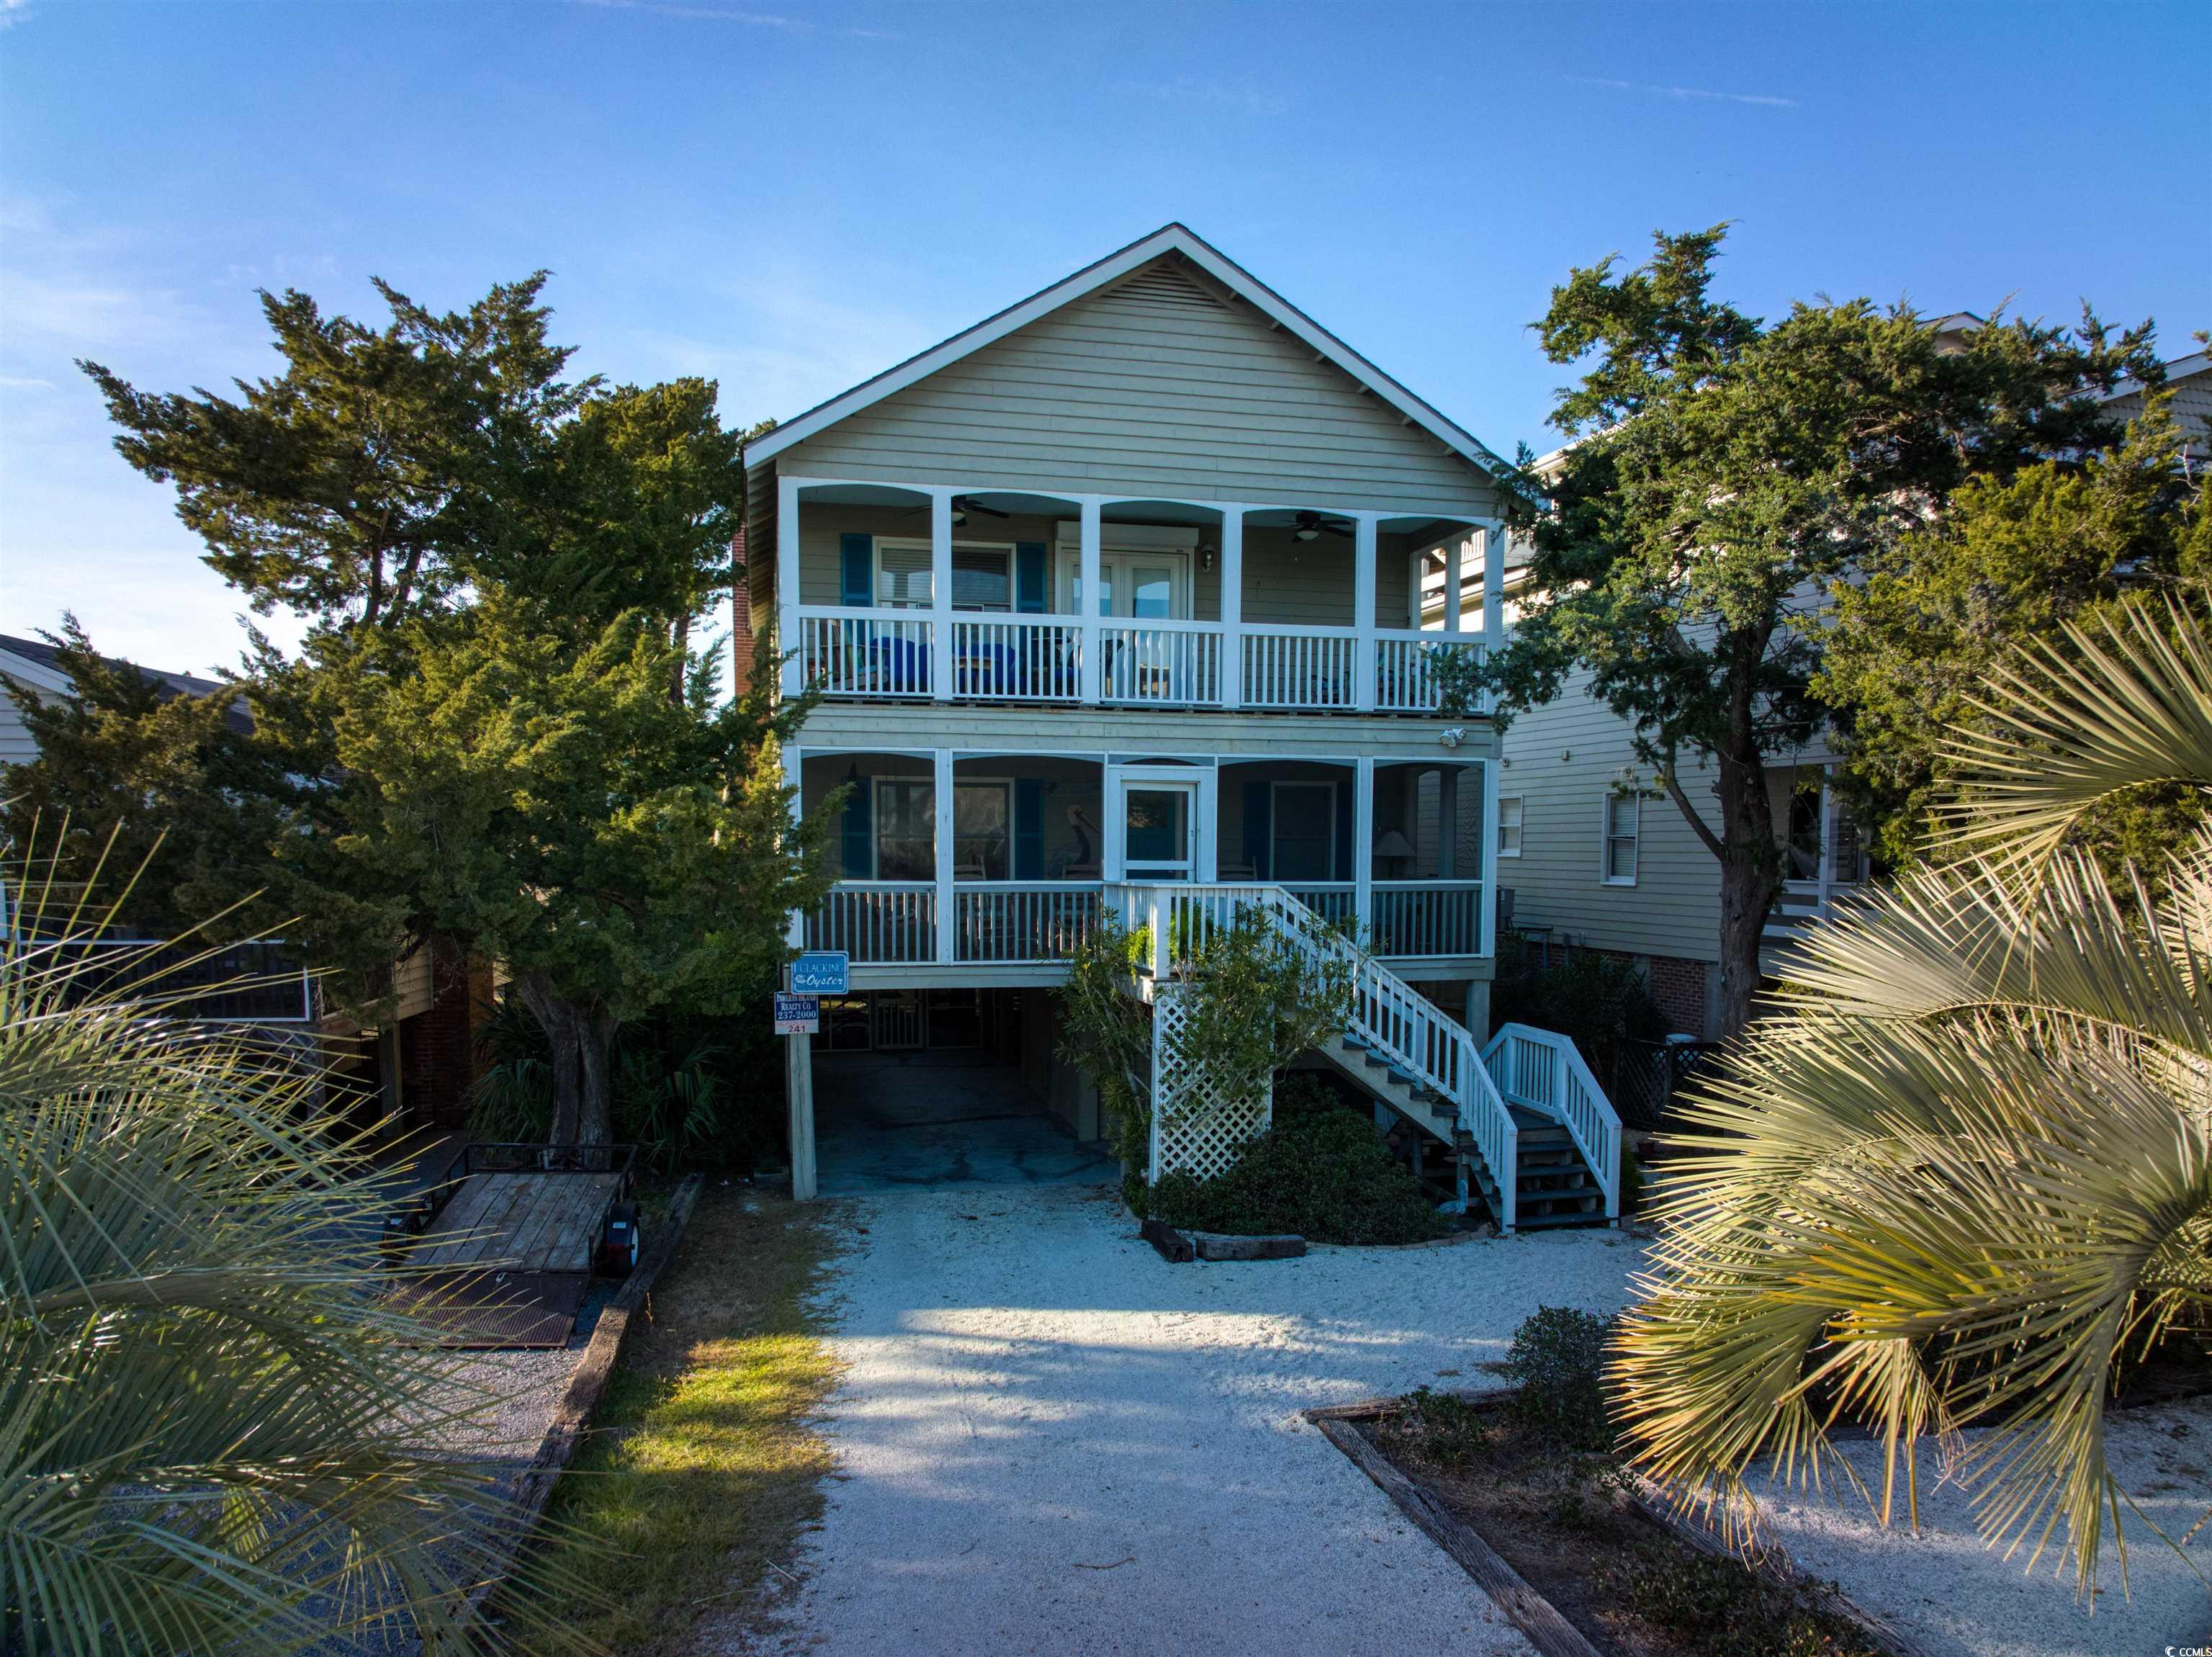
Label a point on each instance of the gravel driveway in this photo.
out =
(1052, 1440)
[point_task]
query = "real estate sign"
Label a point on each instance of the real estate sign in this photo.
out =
(797, 1015)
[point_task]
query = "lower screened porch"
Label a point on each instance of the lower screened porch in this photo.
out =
(998, 863)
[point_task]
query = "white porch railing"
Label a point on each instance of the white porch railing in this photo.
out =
(865, 653)
(878, 922)
(1336, 902)
(1388, 1015)
(1542, 1071)
(1007, 922)
(1406, 676)
(1002, 660)
(1301, 667)
(1176, 663)
(1426, 918)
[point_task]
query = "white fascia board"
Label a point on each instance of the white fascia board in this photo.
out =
(1169, 239)
(2181, 367)
(37, 674)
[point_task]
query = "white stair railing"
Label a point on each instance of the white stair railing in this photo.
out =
(1388, 1015)
(1543, 1071)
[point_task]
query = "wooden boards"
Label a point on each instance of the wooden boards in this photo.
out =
(1531, 1613)
(525, 1222)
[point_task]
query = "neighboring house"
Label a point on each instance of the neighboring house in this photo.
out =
(1591, 868)
(418, 1065)
(1112, 601)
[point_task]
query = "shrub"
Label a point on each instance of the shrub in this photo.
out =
(1720, 1607)
(1443, 1429)
(1319, 1171)
(1557, 1360)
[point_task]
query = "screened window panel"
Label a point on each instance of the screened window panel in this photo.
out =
(982, 826)
(902, 580)
(906, 831)
(1510, 808)
(1305, 827)
(982, 578)
(1621, 830)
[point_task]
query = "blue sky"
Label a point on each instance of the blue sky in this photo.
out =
(789, 197)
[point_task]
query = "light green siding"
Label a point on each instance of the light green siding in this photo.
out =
(1159, 386)
(1561, 761)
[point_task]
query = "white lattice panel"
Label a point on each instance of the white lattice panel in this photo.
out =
(1195, 1129)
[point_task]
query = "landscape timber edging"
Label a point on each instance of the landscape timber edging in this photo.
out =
(565, 1431)
(1536, 1617)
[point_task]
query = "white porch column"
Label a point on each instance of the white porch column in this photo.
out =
(1087, 575)
(794, 776)
(1447, 823)
(798, 1051)
(1232, 607)
(1487, 776)
(786, 583)
(1363, 834)
(941, 818)
(1454, 579)
(1493, 585)
(940, 594)
(1362, 612)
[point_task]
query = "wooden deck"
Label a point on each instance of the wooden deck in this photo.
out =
(521, 1223)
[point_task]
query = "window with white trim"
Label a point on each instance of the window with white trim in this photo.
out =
(903, 575)
(1624, 814)
(1509, 825)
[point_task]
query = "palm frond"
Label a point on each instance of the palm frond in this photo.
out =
(1968, 1166)
(2128, 702)
(217, 1431)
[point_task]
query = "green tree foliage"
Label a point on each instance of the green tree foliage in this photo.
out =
(358, 486)
(500, 730)
(1725, 471)
(619, 853)
(1966, 1174)
(2009, 559)
(138, 775)
(221, 1436)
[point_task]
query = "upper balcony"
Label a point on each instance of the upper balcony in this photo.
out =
(888, 593)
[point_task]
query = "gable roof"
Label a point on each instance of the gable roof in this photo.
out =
(1171, 238)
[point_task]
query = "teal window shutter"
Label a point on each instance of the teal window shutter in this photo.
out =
(1029, 578)
(859, 833)
(1028, 828)
(856, 565)
(1259, 829)
(1344, 846)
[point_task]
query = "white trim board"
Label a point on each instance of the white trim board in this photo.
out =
(1168, 238)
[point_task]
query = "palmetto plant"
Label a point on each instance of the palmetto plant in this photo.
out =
(215, 1436)
(1966, 1171)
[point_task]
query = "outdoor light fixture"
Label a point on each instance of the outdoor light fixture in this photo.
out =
(1306, 531)
(1206, 557)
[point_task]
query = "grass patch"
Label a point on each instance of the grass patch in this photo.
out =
(703, 1464)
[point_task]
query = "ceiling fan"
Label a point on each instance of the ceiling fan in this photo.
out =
(1311, 524)
(964, 504)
